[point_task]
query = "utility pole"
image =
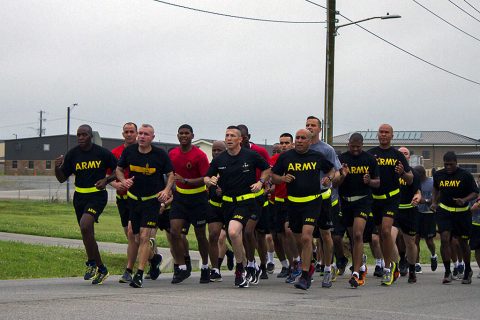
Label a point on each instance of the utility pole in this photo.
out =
(41, 131)
(68, 145)
(329, 70)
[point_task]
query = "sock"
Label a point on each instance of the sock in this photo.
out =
(262, 266)
(387, 270)
(270, 257)
(91, 263)
(446, 264)
(182, 267)
(102, 269)
(204, 266)
(328, 269)
(355, 273)
(140, 273)
(378, 262)
(250, 264)
(220, 261)
(402, 256)
(284, 263)
(305, 274)
(455, 264)
(298, 259)
(468, 268)
(434, 256)
(383, 263)
(362, 268)
(216, 270)
(239, 267)
(129, 270)
(411, 268)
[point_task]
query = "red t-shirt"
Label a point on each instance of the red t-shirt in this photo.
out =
(280, 189)
(263, 153)
(189, 165)
(117, 152)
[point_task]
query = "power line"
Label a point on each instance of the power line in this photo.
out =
(463, 10)
(405, 51)
(471, 6)
(449, 23)
(237, 17)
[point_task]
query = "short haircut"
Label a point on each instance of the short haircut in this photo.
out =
(288, 135)
(313, 117)
(421, 171)
(130, 124)
(89, 129)
(186, 126)
(356, 137)
(242, 127)
(146, 125)
(449, 156)
(235, 128)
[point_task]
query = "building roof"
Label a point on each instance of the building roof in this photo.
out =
(413, 138)
(474, 154)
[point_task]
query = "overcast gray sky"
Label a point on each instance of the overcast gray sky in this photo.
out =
(147, 62)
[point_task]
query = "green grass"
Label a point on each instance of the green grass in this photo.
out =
(43, 218)
(28, 261)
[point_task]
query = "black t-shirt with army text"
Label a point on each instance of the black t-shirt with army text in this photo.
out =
(146, 168)
(306, 167)
(387, 160)
(237, 173)
(456, 185)
(358, 166)
(408, 191)
(88, 166)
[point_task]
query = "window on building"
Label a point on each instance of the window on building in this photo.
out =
(426, 154)
(30, 164)
(472, 168)
(48, 164)
(46, 147)
(14, 164)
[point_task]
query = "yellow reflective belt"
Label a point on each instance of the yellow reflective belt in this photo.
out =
(86, 190)
(265, 203)
(122, 196)
(303, 199)
(259, 193)
(134, 197)
(405, 206)
(335, 202)
(326, 194)
(239, 198)
(277, 199)
(384, 196)
(191, 191)
(453, 209)
(476, 224)
(214, 203)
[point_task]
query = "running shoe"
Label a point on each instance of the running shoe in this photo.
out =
(180, 275)
(334, 272)
(321, 271)
(467, 277)
(403, 267)
(412, 277)
(155, 263)
(387, 279)
(447, 278)
(311, 270)
(100, 277)
(418, 268)
(257, 273)
(363, 276)
(270, 267)
(250, 273)
(126, 277)
(215, 276)
(230, 257)
(241, 279)
(188, 263)
(90, 272)
(283, 273)
(302, 283)
(396, 272)
(205, 275)
(434, 262)
(461, 270)
(290, 278)
(327, 280)
(378, 272)
(342, 265)
(264, 274)
(354, 281)
(137, 281)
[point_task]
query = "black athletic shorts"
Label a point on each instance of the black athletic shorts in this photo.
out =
(240, 211)
(280, 216)
(164, 222)
(143, 214)
(324, 221)
(215, 212)
(426, 226)
(356, 209)
(370, 228)
(458, 223)
(475, 237)
(385, 208)
(405, 220)
(90, 203)
(190, 207)
(305, 213)
(263, 225)
(123, 210)
(339, 228)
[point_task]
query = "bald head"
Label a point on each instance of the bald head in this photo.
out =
(385, 135)
(218, 147)
(303, 139)
(405, 152)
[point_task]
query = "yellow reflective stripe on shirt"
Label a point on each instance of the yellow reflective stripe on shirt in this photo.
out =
(334, 202)
(384, 196)
(326, 194)
(476, 224)
(239, 198)
(215, 204)
(134, 197)
(86, 190)
(405, 206)
(303, 199)
(265, 203)
(191, 191)
(453, 209)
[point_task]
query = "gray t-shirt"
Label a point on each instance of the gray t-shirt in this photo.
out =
(329, 153)
(426, 187)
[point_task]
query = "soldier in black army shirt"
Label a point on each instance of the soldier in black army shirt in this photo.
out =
(89, 163)
(453, 189)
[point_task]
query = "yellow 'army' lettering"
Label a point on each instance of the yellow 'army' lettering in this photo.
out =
(302, 166)
(85, 165)
(359, 170)
(450, 183)
(386, 162)
(402, 182)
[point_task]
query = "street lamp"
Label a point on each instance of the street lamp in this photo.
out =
(68, 143)
(330, 64)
